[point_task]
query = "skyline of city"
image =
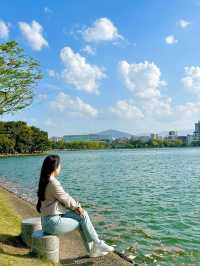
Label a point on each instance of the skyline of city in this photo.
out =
(107, 135)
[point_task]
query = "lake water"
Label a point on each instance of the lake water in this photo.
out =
(144, 201)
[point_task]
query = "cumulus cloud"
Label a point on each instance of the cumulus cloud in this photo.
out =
(147, 103)
(89, 50)
(158, 107)
(33, 34)
(144, 81)
(4, 30)
(191, 79)
(102, 30)
(185, 114)
(53, 74)
(40, 98)
(126, 110)
(170, 39)
(79, 73)
(49, 123)
(189, 109)
(72, 105)
(47, 10)
(183, 23)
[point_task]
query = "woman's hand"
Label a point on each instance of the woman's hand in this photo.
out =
(80, 211)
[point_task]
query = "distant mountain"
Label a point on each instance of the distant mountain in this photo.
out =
(114, 134)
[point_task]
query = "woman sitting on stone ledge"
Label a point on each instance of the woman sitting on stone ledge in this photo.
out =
(55, 206)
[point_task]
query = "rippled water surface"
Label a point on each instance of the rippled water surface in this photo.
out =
(144, 201)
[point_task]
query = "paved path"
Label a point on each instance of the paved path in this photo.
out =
(26, 209)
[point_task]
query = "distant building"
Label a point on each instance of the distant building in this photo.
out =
(189, 139)
(172, 135)
(86, 137)
(196, 133)
(182, 138)
(134, 137)
(155, 136)
(144, 138)
(54, 138)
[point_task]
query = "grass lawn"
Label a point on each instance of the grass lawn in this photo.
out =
(12, 250)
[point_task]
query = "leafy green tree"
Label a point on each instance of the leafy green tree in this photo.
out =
(18, 74)
(78, 145)
(22, 138)
(40, 140)
(6, 144)
(195, 143)
(22, 134)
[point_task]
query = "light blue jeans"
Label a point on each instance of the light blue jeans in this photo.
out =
(56, 224)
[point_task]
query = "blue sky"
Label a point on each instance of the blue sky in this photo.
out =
(126, 65)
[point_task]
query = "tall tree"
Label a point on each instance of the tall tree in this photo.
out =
(18, 74)
(22, 138)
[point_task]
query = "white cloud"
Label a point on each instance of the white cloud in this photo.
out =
(42, 96)
(126, 110)
(183, 23)
(89, 50)
(170, 39)
(51, 87)
(189, 109)
(143, 78)
(144, 81)
(53, 74)
(75, 106)
(102, 30)
(79, 73)
(158, 107)
(47, 10)
(185, 115)
(49, 123)
(191, 79)
(33, 34)
(4, 30)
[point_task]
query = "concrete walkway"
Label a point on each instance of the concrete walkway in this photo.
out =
(26, 209)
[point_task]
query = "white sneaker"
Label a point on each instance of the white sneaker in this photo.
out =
(105, 247)
(90, 245)
(100, 249)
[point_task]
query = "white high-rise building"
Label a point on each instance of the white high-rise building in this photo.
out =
(197, 130)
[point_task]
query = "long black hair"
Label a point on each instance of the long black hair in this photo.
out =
(50, 163)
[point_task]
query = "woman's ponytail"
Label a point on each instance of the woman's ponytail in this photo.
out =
(38, 206)
(50, 164)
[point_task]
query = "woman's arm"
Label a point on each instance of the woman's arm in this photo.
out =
(62, 196)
